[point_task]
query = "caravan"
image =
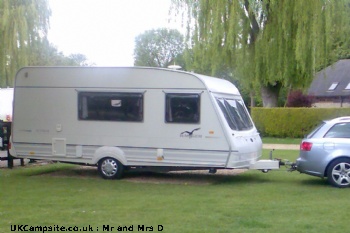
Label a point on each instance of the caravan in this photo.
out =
(120, 118)
(6, 99)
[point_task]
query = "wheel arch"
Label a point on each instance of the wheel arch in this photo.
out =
(331, 161)
(113, 152)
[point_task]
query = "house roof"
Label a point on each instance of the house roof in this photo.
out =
(332, 81)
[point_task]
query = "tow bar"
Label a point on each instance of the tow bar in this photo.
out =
(265, 165)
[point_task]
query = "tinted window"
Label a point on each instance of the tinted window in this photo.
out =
(310, 135)
(341, 130)
(235, 114)
(182, 108)
(110, 106)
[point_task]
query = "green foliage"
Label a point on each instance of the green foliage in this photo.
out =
(23, 35)
(45, 54)
(159, 48)
(292, 122)
(267, 43)
(22, 25)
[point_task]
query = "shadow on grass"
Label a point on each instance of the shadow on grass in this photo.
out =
(222, 177)
(194, 178)
(315, 182)
(230, 177)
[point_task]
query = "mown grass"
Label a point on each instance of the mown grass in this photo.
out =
(278, 201)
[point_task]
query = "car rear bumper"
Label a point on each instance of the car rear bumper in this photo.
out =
(304, 167)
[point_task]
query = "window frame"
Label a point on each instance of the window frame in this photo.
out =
(333, 132)
(347, 88)
(238, 119)
(196, 118)
(101, 113)
(333, 86)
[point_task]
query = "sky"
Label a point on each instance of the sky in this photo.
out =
(105, 30)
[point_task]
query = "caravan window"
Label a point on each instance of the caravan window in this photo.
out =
(103, 106)
(182, 108)
(235, 114)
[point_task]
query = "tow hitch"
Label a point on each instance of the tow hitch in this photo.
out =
(291, 167)
(273, 164)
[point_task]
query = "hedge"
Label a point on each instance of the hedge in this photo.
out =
(292, 122)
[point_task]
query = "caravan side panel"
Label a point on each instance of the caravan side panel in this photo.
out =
(47, 124)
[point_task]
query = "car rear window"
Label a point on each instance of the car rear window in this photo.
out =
(315, 130)
(341, 130)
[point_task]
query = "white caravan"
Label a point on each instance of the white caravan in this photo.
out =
(121, 118)
(6, 99)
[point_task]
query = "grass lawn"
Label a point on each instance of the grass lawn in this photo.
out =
(61, 195)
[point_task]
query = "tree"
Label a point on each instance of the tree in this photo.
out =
(23, 23)
(78, 59)
(159, 48)
(268, 44)
(23, 32)
(46, 54)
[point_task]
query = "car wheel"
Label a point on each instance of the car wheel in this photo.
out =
(338, 173)
(110, 168)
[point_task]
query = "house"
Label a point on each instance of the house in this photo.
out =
(331, 86)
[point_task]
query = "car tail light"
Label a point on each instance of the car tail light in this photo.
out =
(305, 146)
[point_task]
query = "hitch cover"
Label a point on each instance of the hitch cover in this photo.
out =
(265, 164)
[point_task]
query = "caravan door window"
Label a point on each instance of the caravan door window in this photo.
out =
(235, 114)
(103, 106)
(182, 108)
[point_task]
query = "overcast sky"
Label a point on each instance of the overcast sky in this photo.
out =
(105, 30)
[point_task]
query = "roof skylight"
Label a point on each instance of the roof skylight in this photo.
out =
(347, 87)
(333, 86)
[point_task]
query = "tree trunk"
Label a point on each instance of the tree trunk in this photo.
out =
(252, 99)
(269, 94)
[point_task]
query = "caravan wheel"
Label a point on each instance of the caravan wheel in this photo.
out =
(110, 168)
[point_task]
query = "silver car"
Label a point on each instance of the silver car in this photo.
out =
(325, 152)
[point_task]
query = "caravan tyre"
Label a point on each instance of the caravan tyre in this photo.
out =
(110, 168)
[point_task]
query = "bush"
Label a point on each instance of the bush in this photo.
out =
(298, 99)
(292, 122)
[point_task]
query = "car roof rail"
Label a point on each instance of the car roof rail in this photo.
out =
(346, 118)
